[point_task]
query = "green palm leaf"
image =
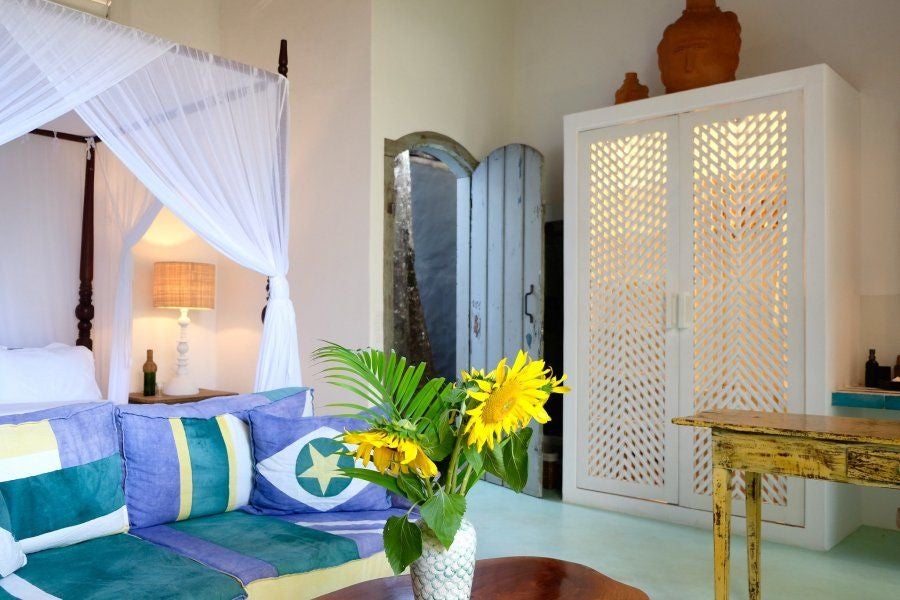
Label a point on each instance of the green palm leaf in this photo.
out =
(384, 380)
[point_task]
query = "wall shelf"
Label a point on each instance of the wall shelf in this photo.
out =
(863, 397)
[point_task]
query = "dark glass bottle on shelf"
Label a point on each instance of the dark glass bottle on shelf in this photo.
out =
(872, 370)
(897, 367)
(149, 375)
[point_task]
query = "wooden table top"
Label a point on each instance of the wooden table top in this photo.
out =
(843, 429)
(202, 394)
(510, 578)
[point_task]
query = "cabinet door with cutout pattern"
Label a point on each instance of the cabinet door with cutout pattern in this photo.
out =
(741, 270)
(627, 385)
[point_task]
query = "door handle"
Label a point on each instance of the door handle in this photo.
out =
(671, 309)
(530, 292)
(685, 311)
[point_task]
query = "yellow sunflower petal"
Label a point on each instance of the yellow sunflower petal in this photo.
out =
(521, 357)
(484, 386)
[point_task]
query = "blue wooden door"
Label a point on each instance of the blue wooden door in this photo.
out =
(505, 268)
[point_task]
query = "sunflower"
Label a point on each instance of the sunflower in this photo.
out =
(508, 398)
(391, 453)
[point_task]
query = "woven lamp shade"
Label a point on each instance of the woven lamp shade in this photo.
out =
(184, 285)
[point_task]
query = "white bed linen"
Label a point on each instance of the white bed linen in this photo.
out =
(54, 373)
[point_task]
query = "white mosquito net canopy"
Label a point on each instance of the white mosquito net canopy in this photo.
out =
(205, 136)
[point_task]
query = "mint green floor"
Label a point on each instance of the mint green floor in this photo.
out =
(675, 562)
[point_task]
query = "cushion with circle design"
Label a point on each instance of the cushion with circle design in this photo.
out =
(298, 464)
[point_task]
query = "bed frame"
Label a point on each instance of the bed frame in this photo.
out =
(84, 311)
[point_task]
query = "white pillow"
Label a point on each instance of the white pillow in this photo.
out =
(55, 373)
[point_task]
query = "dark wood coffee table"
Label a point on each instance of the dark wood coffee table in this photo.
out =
(510, 578)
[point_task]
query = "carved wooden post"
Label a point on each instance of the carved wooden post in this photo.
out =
(282, 59)
(85, 309)
(283, 71)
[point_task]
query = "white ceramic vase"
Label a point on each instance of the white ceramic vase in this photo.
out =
(445, 573)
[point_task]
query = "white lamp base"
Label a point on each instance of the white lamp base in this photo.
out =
(182, 384)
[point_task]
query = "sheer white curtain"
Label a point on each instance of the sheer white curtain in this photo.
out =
(53, 58)
(208, 138)
(41, 196)
(125, 209)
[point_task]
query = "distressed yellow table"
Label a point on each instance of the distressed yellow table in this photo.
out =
(844, 449)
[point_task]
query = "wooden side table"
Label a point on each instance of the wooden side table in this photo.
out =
(842, 449)
(139, 398)
(509, 578)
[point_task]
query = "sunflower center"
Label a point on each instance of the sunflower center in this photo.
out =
(500, 402)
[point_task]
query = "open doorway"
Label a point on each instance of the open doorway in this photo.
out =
(484, 293)
(427, 184)
(425, 218)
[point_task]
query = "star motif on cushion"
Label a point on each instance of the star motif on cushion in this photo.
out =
(324, 468)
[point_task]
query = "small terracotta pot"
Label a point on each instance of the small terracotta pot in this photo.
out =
(701, 48)
(631, 89)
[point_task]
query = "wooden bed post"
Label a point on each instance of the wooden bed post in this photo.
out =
(282, 59)
(84, 312)
(283, 71)
(85, 309)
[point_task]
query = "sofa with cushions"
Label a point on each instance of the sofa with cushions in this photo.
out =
(232, 497)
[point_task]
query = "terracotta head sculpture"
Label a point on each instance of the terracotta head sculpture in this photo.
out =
(701, 48)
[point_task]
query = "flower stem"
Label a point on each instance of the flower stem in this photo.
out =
(454, 460)
(465, 480)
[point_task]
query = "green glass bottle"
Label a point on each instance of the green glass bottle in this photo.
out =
(149, 375)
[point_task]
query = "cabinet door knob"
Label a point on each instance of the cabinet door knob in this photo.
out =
(685, 310)
(671, 311)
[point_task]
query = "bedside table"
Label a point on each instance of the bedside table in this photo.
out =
(139, 398)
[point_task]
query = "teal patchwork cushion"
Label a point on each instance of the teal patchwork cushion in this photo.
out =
(117, 567)
(61, 476)
(11, 555)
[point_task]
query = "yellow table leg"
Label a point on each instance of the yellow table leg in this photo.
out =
(721, 529)
(754, 532)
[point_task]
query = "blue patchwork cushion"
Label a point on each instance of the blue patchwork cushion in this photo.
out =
(297, 467)
(191, 460)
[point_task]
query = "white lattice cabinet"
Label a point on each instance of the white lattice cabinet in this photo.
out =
(710, 263)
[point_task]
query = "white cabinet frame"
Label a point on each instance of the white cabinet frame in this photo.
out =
(831, 305)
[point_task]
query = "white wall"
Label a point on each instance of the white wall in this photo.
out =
(194, 23)
(329, 72)
(572, 55)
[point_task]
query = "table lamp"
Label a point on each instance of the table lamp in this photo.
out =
(185, 286)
